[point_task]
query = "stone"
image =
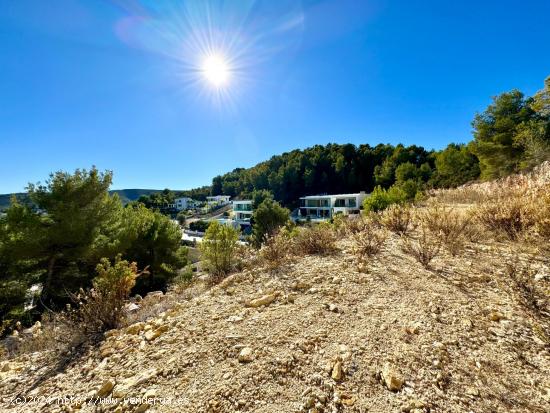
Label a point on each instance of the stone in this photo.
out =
(246, 355)
(392, 379)
(135, 328)
(131, 307)
(141, 378)
(5, 367)
(337, 371)
(347, 399)
(467, 324)
(472, 391)
(263, 300)
(300, 285)
(105, 388)
(152, 334)
(495, 316)
(412, 329)
(413, 406)
(142, 408)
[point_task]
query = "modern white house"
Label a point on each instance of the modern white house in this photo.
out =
(326, 206)
(184, 203)
(218, 199)
(242, 210)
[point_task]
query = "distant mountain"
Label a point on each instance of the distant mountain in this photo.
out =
(5, 199)
(126, 195)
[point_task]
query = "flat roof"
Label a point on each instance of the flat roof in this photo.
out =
(330, 196)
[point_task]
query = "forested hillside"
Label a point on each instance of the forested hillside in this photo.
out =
(511, 135)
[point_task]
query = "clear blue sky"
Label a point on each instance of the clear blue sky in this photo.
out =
(116, 83)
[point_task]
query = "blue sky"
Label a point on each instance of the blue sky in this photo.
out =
(117, 84)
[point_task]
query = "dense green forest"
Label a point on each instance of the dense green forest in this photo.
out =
(511, 135)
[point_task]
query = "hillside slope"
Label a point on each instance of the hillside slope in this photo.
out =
(328, 338)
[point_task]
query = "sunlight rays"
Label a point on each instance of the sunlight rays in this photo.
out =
(214, 51)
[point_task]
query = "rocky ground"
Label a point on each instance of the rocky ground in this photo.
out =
(319, 335)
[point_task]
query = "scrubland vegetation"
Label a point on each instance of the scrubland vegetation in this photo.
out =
(399, 305)
(431, 300)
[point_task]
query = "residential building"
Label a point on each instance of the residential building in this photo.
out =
(218, 199)
(184, 203)
(242, 210)
(326, 206)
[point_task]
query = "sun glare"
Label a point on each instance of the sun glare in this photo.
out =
(215, 70)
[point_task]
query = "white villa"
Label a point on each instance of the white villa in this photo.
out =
(184, 203)
(326, 206)
(218, 199)
(242, 210)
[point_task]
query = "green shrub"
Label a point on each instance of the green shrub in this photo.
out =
(199, 226)
(267, 218)
(218, 248)
(181, 217)
(102, 307)
(381, 198)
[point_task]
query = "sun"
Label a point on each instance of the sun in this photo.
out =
(216, 70)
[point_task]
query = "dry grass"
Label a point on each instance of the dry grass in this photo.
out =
(398, 219)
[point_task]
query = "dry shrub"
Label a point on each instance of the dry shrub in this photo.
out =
(318, 239)
(533, 295)
(423, 248)
(368, 242)
(276, 250)
(97, 310)
(246, 257)
(542, 215)
(102, 307)
(508, 216)
(398, 219)
(57, 333)
(340, 223)
(452, 227)
(355, 224)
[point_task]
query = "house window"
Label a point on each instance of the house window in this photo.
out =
(352, 202)
(340, 203)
